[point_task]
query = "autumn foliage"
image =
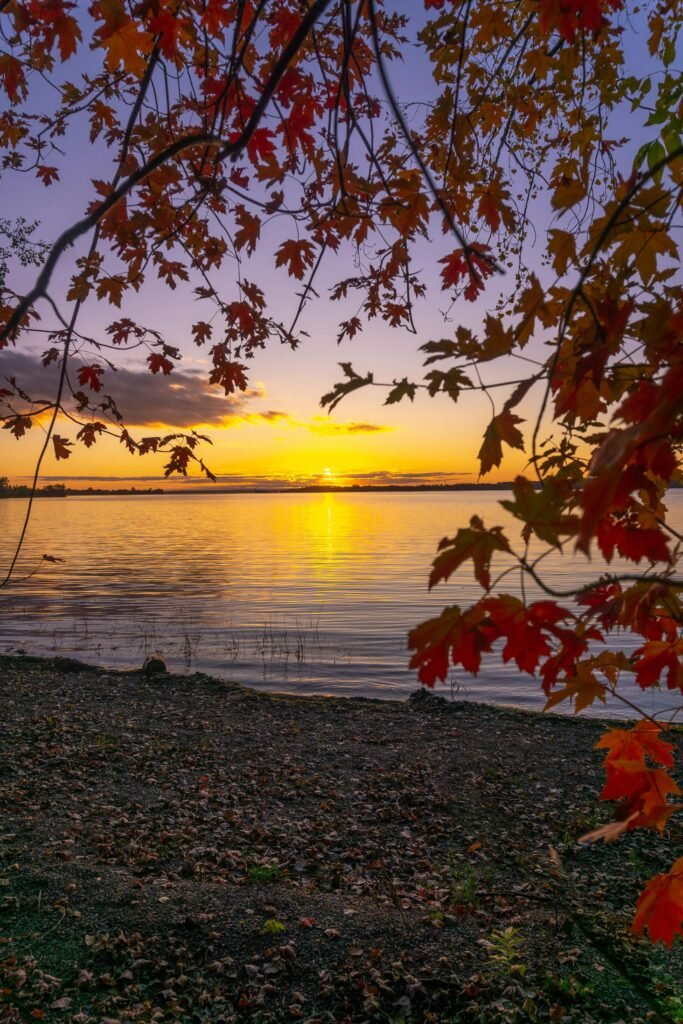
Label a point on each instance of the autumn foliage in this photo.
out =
(220, 119)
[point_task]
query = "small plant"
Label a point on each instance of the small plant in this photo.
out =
(465, 885)
(257, 874)
(507, 969)
(273, 927)
(504, 949)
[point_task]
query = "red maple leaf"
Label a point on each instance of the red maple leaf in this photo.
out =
(12, 77)
(166, 27)
(656, 658)
(470, 264)
(90, 376)
(451, 637)
(260, 145)
(158, 362)
(631, 541)
(572, 16)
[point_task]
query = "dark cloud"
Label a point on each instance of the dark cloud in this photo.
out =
(182, 399)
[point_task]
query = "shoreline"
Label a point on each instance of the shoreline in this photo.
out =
(320, 859)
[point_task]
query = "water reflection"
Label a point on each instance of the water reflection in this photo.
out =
(308, 593)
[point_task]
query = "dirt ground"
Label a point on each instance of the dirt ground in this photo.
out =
(183, 849)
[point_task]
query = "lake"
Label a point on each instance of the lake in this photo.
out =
(305, 593)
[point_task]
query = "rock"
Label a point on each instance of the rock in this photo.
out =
(70, 665)
(154, 664)
(425, 697)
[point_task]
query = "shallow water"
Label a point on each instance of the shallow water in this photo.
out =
(307, 593)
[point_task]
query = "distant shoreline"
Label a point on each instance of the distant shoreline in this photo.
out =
(56, 491)
(59, 491)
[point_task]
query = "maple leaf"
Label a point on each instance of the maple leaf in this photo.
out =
(493, 209)
(581, 689)
(524, 627)
(471, 264)
(126, 45)
(68, 33)
(168, 28)
(451, 637)
(260, 145)
(501, 428)
(297, 256)
(343, 388)
(631, 541)
(349, 328)
(296, 128)
(159, 362)
(12, 77)
(229, 374)
(201, 332)
(47, 174)
(568, 192)
(569, 18)
(62, 446)
(637, 743)
(475, 543)
(562, 247)
(18, 425)
(660, 906)
(249, 229)
(656, 658)
(542, 509)
(89, 433)
(179, 460)
(450, 382)
(402, 389)
(111, 288)
(90, 375)
(217, 15)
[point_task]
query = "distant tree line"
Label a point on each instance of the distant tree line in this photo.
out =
(8, 490)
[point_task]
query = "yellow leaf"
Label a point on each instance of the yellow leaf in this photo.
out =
(581, 689)
(568, 192)
(562, 247)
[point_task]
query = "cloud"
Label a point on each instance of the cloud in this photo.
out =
(322, 425)
(182, 399)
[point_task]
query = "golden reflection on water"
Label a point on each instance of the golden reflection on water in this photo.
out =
(334, 581)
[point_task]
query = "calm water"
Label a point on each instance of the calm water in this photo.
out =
(307, 593)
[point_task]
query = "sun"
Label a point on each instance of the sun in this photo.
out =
(327, 472)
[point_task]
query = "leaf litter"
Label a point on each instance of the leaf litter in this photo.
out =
(182, 848)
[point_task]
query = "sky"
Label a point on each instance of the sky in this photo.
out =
(275, 433)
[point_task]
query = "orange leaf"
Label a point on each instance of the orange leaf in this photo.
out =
(297, 256)
(128, 44)
(660, 906)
